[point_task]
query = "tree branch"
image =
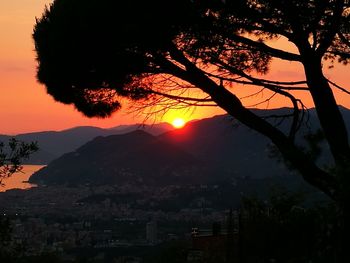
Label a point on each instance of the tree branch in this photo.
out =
(233, 106)
(338, 87)
(261, 82)
(266, 49)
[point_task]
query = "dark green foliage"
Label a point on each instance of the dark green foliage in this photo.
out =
(284, 230)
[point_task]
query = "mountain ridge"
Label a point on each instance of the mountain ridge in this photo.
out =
(52, 144)
(222, 148)
(136, 156)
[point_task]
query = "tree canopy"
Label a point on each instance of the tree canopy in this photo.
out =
(12, 154)
(94, 53)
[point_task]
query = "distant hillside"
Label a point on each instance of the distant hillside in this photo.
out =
(234, 149)
(52, 144)
(219, 148)
(229, 149)
(155, 129)
(136, 157)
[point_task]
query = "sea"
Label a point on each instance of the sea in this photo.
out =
(20, 180)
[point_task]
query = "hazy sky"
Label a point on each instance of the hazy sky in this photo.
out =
(24, 104)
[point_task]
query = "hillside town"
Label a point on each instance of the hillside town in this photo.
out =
(60, 218)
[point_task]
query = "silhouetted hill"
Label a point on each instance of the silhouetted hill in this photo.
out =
(52, 144)
(155, 129)
(223, 150)
(234, 150)
(230, 149)
(135, 157)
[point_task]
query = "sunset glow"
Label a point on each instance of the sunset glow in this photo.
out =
(178, 123)
(25, 106)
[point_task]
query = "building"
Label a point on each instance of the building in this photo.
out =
(151, 232)
(214, 245)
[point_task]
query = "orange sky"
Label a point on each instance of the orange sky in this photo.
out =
(24, 104)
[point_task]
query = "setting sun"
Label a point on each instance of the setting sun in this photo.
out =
(178, 123)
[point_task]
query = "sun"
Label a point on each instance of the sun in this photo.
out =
(178, 123)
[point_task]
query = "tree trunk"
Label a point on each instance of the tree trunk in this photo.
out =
(332, 123)
(335, 131)
(233, 106)
(328, 113)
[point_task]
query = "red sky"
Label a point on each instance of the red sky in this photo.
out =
(25, 106)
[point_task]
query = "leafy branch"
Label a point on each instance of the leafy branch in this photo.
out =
(12, 155)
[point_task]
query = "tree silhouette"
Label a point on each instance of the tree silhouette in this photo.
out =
(95, 53)
(11, 156)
